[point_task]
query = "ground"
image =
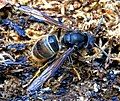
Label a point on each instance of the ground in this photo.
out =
(86, 75)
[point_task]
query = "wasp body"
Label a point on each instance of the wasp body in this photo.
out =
(48, 46)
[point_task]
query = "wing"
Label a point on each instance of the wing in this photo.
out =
(40, 15)
(48, 72)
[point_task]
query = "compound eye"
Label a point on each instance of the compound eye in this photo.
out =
(91, 41)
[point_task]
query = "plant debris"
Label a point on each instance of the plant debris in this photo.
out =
(86, 75)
